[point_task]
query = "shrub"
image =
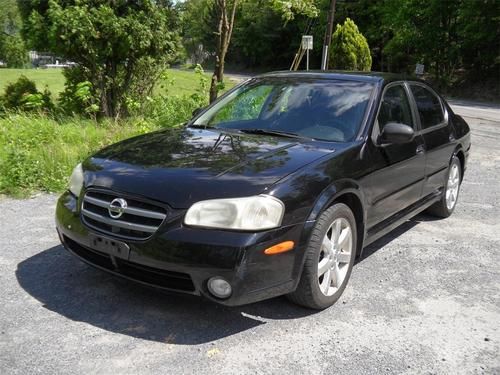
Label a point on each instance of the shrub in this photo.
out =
(122, 45)
(15, 92)
(79, 96)
(168, 110)
(350, 49)
(23, 95)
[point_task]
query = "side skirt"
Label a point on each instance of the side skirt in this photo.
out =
(384, 227)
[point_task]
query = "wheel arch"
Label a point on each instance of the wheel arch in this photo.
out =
(459, 153)
(349, 193)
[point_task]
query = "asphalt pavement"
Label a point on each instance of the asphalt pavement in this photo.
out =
(424, 299)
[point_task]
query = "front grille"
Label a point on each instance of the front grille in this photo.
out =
(139, 219)
(153, 276)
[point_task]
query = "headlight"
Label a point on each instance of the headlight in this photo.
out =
(76, 180)
(250, 213)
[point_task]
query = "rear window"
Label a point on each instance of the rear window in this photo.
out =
(428, 105)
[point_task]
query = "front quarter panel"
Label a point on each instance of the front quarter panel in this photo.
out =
(308, 192)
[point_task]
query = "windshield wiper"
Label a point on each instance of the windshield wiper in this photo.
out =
(272, 132)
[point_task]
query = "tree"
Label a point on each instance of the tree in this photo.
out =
(12, 49)
(121, 47)
(226, 13)
(350, 49)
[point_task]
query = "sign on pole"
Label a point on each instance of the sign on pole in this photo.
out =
(419, 69)
(307, 44)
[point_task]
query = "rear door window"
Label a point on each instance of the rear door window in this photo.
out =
(429, 106)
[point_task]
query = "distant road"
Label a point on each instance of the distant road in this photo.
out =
(477, 110)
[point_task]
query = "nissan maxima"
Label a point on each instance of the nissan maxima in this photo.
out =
(274, 189)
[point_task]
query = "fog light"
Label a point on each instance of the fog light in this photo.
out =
(219, 287)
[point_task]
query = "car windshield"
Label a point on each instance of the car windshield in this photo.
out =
(330, 110)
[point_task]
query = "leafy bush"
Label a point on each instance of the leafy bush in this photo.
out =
(15, 92)
(79, 96)
(23, 95)
(169, 110)
(13, 51)
(350, 49)
(121, 45)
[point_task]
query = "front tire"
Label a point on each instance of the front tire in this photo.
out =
(329, 259)
(448, 201)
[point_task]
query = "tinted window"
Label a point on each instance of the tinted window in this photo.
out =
(428, 105)
(395, 107)
(330, 110)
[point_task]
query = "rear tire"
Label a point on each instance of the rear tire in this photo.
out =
(446, 205)
(329, 259)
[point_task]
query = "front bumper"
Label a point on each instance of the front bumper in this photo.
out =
(182, 259)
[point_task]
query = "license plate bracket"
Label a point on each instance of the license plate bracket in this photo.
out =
(109, 246)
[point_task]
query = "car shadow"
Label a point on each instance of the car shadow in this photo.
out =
(69, 287)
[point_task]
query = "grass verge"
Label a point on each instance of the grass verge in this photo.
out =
(38, 153)
(181, 82)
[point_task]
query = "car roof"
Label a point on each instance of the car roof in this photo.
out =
(372, 77)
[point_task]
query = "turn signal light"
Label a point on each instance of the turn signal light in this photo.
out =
(280, 248)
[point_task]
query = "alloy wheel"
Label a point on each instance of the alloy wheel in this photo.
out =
(335, 256)
(452, 186)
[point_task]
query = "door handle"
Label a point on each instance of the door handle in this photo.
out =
(420, 149)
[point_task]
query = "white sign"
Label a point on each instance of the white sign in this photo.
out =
(419, 69)
(307, 42)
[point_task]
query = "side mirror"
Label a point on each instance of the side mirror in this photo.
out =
(197, 111)
(396, 133)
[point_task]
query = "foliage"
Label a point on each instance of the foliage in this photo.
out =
(290, 8)
(78, 98)
(349, 49)
(12, 48)
(170, 110)
(225, 20)
(197, 20)
(121, 47)
(13, 51)
(38, 152)
(258, 43)
(23, 95)
(452, 39)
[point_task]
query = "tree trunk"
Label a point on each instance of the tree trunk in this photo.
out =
(224, 32)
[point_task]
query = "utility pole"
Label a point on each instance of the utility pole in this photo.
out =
(328, 35)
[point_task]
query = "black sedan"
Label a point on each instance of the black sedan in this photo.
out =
(273, 189)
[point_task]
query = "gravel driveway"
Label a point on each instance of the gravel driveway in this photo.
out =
(424, 299)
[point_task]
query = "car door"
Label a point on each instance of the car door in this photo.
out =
(436, 133)
(398, 179)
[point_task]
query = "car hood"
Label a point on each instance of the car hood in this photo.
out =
(180, 167)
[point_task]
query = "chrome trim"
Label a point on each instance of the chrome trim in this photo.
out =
(127, 210)
(119, 223)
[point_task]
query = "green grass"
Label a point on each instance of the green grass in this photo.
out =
(183, 81)
(52, 78)
(38, 153)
